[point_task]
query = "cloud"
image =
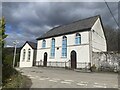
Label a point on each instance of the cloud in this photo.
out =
(29, 20)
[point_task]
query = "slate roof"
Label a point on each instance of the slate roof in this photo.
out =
(32, 44)
(77, 26)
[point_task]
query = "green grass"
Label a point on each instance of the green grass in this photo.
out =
(17, 81)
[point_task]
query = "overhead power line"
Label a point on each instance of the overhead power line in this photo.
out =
(111, 13)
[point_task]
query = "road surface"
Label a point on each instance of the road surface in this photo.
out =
(45, 77)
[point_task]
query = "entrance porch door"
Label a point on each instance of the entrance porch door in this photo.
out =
(73, 60)
(45, 60)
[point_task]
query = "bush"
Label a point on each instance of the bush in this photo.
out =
(9, 54)
(7, 72)
(93, 68)
(9, 59)
(11, 78)
(17, 81)
(7, 69)
(109, 67)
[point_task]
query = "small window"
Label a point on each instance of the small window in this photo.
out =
(43, 44)
(29, 54)
(78, 39)
(24, 52)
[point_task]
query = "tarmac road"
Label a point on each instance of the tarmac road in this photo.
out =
(45, 77)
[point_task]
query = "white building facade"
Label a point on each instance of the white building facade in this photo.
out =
(82, 49)
(27, 54)
(73, 48)
(69, 45)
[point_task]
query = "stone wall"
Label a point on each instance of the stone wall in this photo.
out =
(106, 60)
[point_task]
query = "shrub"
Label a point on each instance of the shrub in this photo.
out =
(7, 72)
(93, 68)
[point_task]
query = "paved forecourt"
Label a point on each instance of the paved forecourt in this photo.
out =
(45, 77)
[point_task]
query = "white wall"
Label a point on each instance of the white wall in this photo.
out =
(98, 38)
(81, 50)
(26, 63)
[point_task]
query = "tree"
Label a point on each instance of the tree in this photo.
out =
(2, 32)
(112, 38)
(2, 41)
(7, 70)
(2, 37)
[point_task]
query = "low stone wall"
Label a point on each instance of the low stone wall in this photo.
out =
(106, 60)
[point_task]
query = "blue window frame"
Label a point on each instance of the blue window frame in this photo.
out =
(64, 46)
(78, 39)
(43, 44)
(52, 48)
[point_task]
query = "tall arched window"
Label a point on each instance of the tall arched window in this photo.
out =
(53, 48)
(43, 44)
(64, 46)
(29, 54)
(78, 39)
(24, 52)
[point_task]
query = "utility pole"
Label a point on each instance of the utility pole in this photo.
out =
(15, 45)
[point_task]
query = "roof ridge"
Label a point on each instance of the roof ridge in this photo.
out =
(74, 22)
(32, 44)
(86, 18)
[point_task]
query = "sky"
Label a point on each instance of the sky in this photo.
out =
(26, 21)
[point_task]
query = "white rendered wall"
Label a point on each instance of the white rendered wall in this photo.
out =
(26, 63)
(82, 50)
(98, 38)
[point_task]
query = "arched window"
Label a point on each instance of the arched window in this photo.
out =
(29, 54)
(53, 48)
(78, 39)
(43, 44)
(64, 46)
(24, 52)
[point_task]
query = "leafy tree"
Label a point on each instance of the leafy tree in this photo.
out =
(7, 69)
(2, 32)
(2, 37)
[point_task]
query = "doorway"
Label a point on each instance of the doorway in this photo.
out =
(73, 60)
(45, 60)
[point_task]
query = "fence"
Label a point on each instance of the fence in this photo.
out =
(80, 65)
(52, 64)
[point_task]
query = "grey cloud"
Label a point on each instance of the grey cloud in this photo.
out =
(31, 19)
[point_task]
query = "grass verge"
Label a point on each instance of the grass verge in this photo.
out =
(17, 81)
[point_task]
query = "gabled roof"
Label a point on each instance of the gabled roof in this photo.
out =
(32, 44)
(77, 26)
